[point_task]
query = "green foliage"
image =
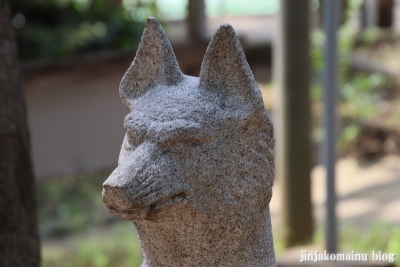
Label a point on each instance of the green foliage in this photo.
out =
(73, 218)
(116, 245)
(358, 92)
(379, 237)
(361, 93)
(49, 29)
(71, 203)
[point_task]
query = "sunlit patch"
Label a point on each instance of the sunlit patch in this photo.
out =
(18, 21)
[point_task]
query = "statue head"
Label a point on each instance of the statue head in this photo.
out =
(193, 145)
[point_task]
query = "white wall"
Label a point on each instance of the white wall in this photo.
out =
(75, 118)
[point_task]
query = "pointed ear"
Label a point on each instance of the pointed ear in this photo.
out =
(154, 63)
(225, 69)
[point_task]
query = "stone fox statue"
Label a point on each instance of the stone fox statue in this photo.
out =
(196, 167)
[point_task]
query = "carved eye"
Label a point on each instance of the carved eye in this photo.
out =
(132, 139)
(130, 143)
(134, 135)
(178, 146)
(126, 149)
(135, 130)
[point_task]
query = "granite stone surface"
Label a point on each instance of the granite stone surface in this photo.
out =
(196, 167)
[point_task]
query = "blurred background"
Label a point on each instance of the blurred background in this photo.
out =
(73, 54)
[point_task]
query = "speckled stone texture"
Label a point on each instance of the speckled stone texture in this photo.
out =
(196, 167)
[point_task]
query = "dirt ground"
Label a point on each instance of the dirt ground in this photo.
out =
(366, 195)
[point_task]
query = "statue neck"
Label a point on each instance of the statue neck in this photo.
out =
(192, 240)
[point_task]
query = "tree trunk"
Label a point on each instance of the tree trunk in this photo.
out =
(197, 20)
(19, 240)
(293, 155)
(377, 13)
(385, 13)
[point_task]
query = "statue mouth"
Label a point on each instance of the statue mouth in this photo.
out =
(128, 214)
(180, 197)
(147, 212)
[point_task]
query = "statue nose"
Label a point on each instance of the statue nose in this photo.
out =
(118, 197)
(112, 190)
